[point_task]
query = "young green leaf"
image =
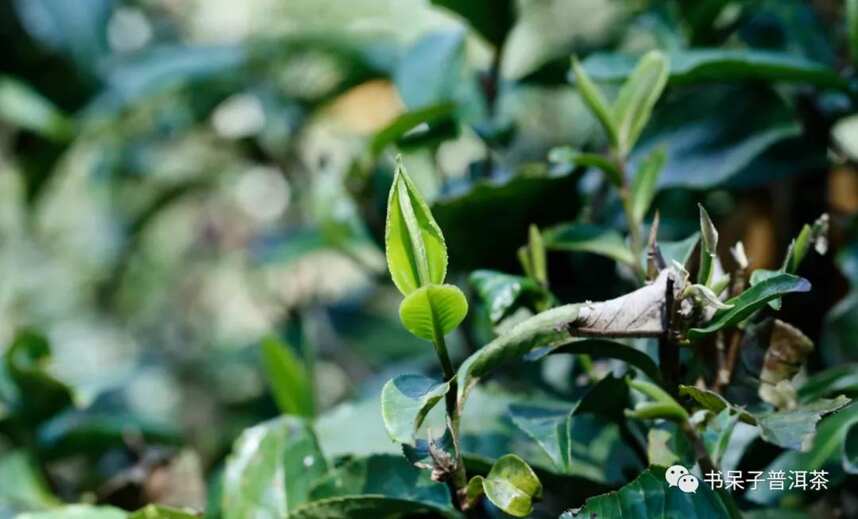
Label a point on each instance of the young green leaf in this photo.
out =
(405, 402)
(288, 378)
(637, 97)
(433, 311)
(538, 262)
(644, 183)
(416, 253)
(511, 485)
(595, 100)
(750, 301)
(709, 246)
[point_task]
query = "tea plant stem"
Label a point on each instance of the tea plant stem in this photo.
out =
(458, 479)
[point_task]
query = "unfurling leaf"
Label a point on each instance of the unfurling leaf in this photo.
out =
(637, 97)
(405, 401)
(416, 253)
(709, 246)
(511, 485)
(432, 311)
(750, 301)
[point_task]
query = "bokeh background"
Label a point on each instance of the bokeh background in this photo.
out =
(182, 180)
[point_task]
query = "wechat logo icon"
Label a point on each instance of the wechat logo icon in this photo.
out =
(678, 476)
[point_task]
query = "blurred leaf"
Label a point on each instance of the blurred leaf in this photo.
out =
(432, 311)
(159, 69)
(405, 401)
(271, 469)
(511, 485)
(23, 107)
(850, 450)
(649, 496)
(161, 512)
(852, 27)
(407, 122)
(596, 101)
(493, 19)
(78, 30)
(718, 65)
(679, 251)
(287, 375)
(570, 159)
(501, 293)
(831, 382)
(416, 252)
(637, 97)
(77, 512)
(644, 183)
(750, 301)
(22, 487)
(796, 428)
(731, 126)
(581, 237)
(376, 486)
(93, 432)
(39, 394)
(486, 221)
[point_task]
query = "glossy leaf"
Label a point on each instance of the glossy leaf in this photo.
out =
(376, 486)
(416, 253)
(645, 182)
(501, 293)
(287, 375)
(405, 401)
(588, 238)
(750, 301)
(717, 65)
(511, 485)
(432, 311)
(650, 496)
(271, 469)
(632, 109)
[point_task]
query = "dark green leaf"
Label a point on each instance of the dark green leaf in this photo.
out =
(588, 238)
(501, 293)
(831, 382)
(271, 469)
(750, 301)
(714, 402)
(649, 496)
(406, 122)
(405, 401)
(606, 349)
(493, 19)
(377, 486)
(850, 450)
(571, 159)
